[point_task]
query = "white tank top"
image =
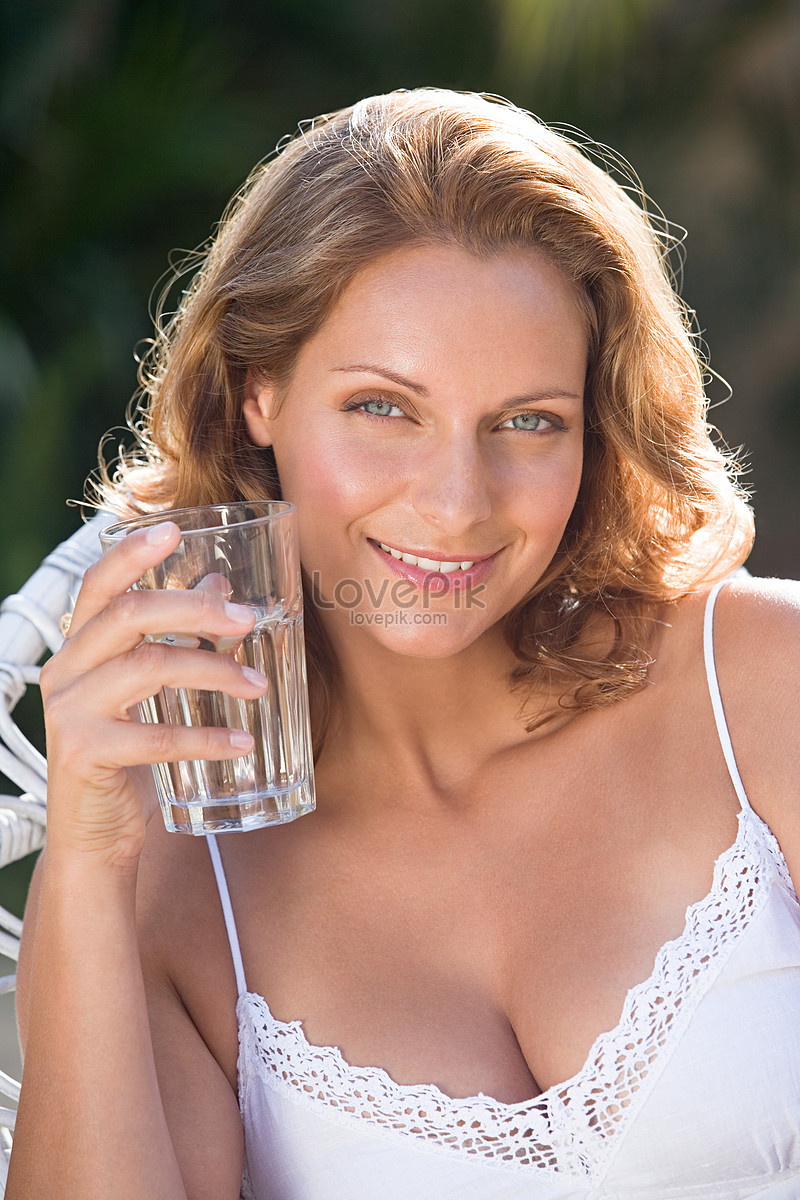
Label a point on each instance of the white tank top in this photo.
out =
(695, 1093)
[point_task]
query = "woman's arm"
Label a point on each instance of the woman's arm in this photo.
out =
(92, 1119)
(120, 1095)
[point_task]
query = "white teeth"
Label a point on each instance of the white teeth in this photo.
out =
(427, 564)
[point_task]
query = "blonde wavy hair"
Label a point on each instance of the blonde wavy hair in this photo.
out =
(659, 512)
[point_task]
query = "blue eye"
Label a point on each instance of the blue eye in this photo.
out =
(379, 408)
(529, 421)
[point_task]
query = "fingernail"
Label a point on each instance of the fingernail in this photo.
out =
(239, 613)
(240, 739)
(158, 534)
(255, 677)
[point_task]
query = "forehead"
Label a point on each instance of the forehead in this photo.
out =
(439, 303)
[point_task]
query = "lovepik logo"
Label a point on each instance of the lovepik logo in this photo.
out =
(401, 593)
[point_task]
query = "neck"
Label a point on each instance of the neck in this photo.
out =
(427, 724)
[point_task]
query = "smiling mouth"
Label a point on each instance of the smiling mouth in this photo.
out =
(443, 566)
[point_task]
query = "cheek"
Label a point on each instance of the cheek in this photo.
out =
(569, 485)
(333, 482)
(331, 474)
(545, 496)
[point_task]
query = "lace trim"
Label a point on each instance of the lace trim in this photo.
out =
(247, 1192)
(572, 1128)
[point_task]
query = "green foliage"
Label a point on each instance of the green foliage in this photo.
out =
(570, 44)
(126, 124)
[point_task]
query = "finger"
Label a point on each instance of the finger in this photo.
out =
(120, 567)
(129, 619)
(119, 745)
(215, 583)
(119, 684)
(221, 586)
(180, 743)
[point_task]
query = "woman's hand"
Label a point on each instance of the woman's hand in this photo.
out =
(105, 668)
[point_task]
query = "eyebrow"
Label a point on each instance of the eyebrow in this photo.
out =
(421, 390)
(400, 380)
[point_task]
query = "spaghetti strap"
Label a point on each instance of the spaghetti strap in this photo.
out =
(227, 910)
(716, 698)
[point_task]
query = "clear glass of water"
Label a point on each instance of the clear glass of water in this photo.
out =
(247, 552)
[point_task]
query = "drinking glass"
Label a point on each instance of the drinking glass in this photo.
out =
(248, 553)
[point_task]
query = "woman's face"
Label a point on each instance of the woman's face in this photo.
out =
(437, 414)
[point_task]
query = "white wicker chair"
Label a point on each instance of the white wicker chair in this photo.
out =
(28, 630)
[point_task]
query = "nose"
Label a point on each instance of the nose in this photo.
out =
(450, 488)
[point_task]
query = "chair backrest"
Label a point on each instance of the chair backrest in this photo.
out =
(29, 629)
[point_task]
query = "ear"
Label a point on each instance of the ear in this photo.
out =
(259, 400)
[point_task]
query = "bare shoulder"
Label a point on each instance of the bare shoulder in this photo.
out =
(191, 996)
(182, 938)
(774, 600)
(756, 635)
(757, 642)
(175, 875)
(179, 921)
(757, 652)
(192, 1015)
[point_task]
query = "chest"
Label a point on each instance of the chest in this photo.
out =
(482, 946)
(695, 1131)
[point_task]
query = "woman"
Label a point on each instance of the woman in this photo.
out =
(449, 339)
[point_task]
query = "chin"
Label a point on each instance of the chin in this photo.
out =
(428, 641)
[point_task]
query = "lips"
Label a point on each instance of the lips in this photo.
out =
(445, 565)
(422, 569)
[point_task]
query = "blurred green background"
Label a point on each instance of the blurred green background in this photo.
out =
(126, 124)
